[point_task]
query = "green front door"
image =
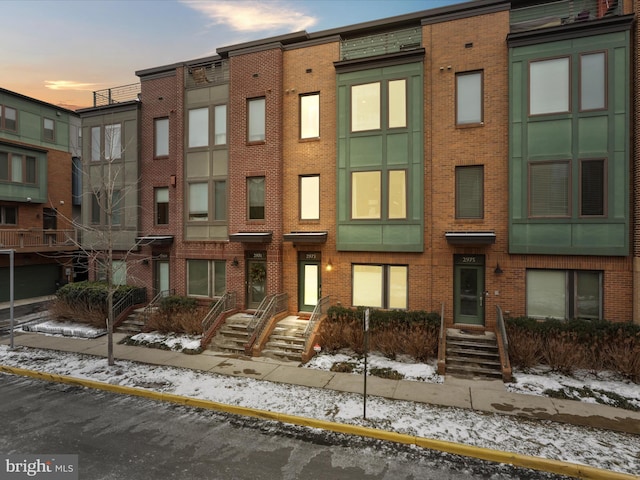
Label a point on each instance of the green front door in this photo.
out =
(308, 280)
(469, 298)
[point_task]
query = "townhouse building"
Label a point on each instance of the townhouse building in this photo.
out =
(39, 146)
(455, 159)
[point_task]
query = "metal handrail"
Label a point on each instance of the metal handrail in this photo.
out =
(320, 309)
(260, 311)
(441, 321)
(278, 303)
(501, 328)
(155, 300)
(225, 303)
(131, 298)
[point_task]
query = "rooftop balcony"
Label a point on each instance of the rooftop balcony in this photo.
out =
(110, 96)
(34, 240)
(562, 12)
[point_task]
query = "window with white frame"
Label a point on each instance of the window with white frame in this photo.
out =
(256, 115)
(310, 197)
(161, 137)
(380, 286)
(48, 129)
(564, 294)
(310, 115)
(206, 278)
(469, 98)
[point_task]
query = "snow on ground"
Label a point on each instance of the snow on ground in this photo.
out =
(597, 448)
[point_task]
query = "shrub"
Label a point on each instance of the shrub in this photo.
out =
(565, 345)
(177, 304)
(392, 333)
(177, 314)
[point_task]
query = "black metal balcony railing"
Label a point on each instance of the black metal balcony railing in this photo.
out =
(109, 96)
(561, 12)
(380, 44)
(34, 240)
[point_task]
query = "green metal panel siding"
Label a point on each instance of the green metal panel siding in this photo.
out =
(571, 136)
(383, 149)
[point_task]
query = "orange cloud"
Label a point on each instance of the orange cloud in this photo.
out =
(68, 85)
(252, 16)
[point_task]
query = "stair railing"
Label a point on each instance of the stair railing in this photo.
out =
(277, 303)
(442, 344)
(146, 313)
(215, 316)
(135, 296)
(503, 344)
(320, 309)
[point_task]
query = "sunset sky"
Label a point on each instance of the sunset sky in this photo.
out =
(61, 51)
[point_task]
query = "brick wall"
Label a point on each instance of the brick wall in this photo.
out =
(252, 75)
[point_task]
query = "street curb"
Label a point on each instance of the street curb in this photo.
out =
(497, 456)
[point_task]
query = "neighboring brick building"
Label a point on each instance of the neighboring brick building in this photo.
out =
(38, 145)
(418, 162)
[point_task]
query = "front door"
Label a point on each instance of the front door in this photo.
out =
(308, 280)
(161, 283)
(256, 279)
(469, 298)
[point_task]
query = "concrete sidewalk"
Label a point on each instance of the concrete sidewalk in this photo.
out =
(482, 396)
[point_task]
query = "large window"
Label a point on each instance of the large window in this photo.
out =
(365, 107)
(48, 129)
(112, 142)
(256, 119)
(199, 201)
(397, 206)
(255, 201)
(593, 83)
(470, 191)
(220, 124)
(206, 278)
(397, 110)
(549, 86)
(95, 144)
(564, 294)
(8, 215)
(310, 197)
(365, 195)
(220, 200)
(161, 137)
(469, 98)
(380, 286)
(18, 168)
(593, 191)
(162, 205)
(549, 190)
(198, 127)
(310, 115)
(8, 118)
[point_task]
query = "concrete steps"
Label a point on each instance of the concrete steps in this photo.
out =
(233, 335)
(472, 354)
(287, 341)
(133, 324)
